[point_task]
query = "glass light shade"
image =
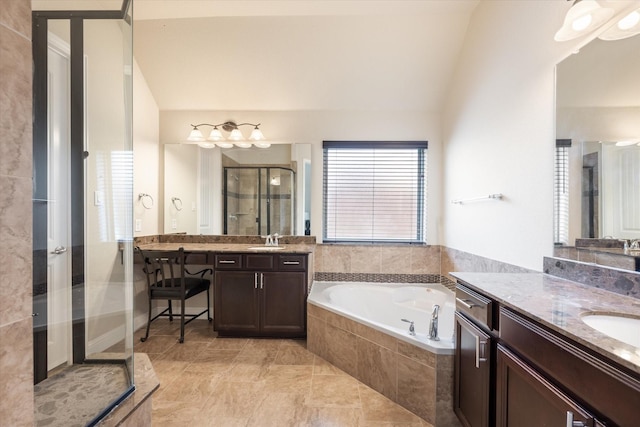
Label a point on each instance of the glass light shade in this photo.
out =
(243, 144)
(584, 16)
(206, 144)
(195, 135)
(215, 135)
(626, 27)
(275, 180)
(236, 135)
(224, 144)
(626, 143)
(256, 135)
(262, 144)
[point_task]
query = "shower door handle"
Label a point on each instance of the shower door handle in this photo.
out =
(59, 250)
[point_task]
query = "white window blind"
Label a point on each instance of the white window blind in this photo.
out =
(561, 193)
(374, 192)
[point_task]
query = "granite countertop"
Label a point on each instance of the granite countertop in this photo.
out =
(632, 253)
(227, 248)
(558, 304)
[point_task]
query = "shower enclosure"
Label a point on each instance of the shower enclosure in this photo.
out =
(259, 200)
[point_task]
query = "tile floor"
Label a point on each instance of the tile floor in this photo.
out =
(212, 381)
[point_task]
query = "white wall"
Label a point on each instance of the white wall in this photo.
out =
(146, 155)
(499, 130)
(312, 127)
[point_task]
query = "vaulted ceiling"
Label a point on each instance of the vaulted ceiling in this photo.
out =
(299, 54)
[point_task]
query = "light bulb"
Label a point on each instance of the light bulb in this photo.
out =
(582, 22)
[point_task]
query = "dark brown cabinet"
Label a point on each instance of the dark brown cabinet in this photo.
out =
(472, 374)
(260, 295)
(524, 397)
(474, 361)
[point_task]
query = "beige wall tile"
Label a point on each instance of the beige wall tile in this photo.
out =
(15, 235)
(15, 104)
(395, 259)
(365, 259)
(377, 367)
(343, 350)
(375, 336)
(16, 14)
(425, 260)
(416, 390)
(336, 259)
(16, 373)
(417, 354)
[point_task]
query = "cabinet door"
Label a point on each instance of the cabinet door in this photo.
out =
(472, 399)
(283, 303)
(235, 302)
(525, 398)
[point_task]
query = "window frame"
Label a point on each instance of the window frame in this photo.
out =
(420, 237)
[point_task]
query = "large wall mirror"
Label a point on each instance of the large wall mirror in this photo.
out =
(598, 132)
(237, 191)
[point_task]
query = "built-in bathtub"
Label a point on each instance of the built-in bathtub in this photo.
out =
(358, 327)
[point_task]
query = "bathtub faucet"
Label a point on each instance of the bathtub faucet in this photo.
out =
(412, 329)
(433, 324)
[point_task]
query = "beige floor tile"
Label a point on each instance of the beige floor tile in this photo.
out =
(322, 367)
(238, 400)
(292, 355)
(230, 382)
(378, 408)
(288, 378)
(334, 391)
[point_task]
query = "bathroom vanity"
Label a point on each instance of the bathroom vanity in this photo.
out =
(260, 294)
(526, 356)
(258, 290)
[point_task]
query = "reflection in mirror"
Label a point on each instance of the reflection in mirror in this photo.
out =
(597, 184)
(237, 191)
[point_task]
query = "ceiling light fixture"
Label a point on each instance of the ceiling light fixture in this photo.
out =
(583, 17)
(627, 26)
(235, 137)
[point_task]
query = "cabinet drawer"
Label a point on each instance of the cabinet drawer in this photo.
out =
(475, 306)
(228, 262)
(196, 258)
(259, 262)
(292, 262)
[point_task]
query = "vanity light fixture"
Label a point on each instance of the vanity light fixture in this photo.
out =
(216, 138)
(583, 17)
(627, 26)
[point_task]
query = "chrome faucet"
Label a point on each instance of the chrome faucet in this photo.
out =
(271, 240)
(433, 324)
(635, 244)
(412, 329)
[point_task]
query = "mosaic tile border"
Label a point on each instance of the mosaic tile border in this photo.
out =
(384, 278)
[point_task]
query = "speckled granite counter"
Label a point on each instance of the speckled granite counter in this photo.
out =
(558, 304)
(227, 247)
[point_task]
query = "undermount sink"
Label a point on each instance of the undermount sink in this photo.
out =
(266, 248)
(620, 327)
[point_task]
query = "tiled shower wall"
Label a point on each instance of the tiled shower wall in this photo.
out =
(16, 346)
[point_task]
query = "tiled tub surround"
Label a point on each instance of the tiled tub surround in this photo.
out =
(558, 304)
(420, 380)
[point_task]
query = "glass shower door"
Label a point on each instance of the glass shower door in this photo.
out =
(242, 205)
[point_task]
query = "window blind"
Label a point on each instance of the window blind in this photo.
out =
(561, 193)
(374, 192)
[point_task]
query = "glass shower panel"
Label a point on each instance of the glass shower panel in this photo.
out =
(242, 204)
(83, 198)
(281, 189)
